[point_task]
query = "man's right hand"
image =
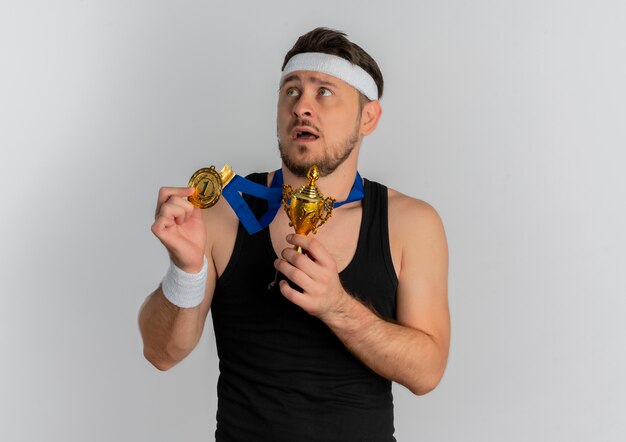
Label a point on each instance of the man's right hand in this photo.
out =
(180, 227)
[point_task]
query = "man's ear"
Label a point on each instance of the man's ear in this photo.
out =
(370, 115)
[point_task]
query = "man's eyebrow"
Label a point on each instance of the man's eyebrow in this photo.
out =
(311, 79)
(290, 78)
(323, 82)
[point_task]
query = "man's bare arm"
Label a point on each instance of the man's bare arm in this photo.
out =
(413, 351)
(411, 357)
(170, 332)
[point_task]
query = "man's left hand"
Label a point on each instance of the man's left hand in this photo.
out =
(316, 273)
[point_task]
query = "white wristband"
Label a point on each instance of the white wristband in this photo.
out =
(184, 289)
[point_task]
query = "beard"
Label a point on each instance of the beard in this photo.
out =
(330, 160)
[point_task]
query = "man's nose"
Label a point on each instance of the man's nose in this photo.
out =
(304, 107)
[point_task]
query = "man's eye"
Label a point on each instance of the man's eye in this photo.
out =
(325, 92)
(292, 92)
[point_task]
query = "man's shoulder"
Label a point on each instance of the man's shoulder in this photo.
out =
(220, 220)
(221, 215)
(412, 219)
(407, 207)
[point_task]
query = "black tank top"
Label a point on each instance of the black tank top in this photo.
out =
(284, 376)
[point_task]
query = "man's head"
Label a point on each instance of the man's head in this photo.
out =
(328, 41)
(328, 101)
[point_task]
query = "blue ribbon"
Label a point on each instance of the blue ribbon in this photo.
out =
(273, 195)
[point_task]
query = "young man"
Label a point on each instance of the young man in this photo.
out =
(315, 363)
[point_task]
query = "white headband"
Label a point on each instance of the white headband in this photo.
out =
(336, 66)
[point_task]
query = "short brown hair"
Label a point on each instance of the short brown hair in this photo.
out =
(334, 42)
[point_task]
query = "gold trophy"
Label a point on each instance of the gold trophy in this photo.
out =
(306, 207)
(208, 184)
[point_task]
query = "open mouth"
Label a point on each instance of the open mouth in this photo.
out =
(301, 134)
(306, 136)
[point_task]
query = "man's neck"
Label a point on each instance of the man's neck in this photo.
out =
(336, 185)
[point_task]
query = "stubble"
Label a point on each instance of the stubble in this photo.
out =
(331, 159)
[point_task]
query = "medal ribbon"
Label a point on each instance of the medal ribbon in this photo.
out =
(273, 195)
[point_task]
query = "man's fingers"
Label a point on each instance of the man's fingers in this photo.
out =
(292, 273)
(294, 296)
(175, 206)
(175, 212)
(300, 261)
(313, 248)
(182, 203)
(165, 193)
(160, 224)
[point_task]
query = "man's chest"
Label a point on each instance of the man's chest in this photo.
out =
(339, 235)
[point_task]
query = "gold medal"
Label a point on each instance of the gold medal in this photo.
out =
(208, 184)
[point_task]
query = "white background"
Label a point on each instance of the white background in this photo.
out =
(507, 116)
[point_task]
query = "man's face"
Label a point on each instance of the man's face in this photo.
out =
(318, 122)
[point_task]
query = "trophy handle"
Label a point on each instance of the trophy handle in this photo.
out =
(327, 212)
(287, 193)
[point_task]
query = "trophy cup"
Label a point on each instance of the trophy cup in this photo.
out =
(306, 207)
